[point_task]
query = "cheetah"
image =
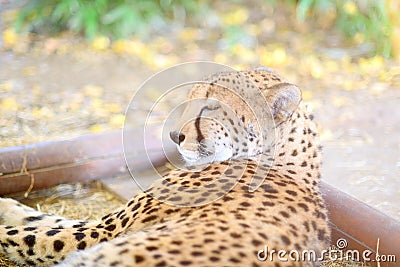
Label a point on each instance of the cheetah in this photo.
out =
(243, 191)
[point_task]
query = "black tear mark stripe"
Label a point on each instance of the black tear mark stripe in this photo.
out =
(200, 136)
(34, 218)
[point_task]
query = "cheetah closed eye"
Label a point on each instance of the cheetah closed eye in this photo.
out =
(286, 212)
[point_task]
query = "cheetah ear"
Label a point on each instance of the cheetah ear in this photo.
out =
(284, 98)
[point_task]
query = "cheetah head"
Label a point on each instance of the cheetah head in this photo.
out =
(219, 124)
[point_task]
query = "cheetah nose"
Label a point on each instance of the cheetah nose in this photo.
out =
(177, 137)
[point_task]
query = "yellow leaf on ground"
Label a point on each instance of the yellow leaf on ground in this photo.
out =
(331, 66)
(113, 107)
(313, 65)
(96, 128)
(6, 86)
(239, 66)
(43, 112)
(236, 17)
(100, 43)
(377, 61)
(279, 55)
(349, 85)
(97, 103)
(359, 38)
(388, 75)
(244, 53)
(160, 61)
(188, 34)
(9, 104)
(117, 120)
(93, 91)
(133, 47)
(316, 71)
(273, 58)
(372, 64)
(9, 38)
(221, 58)
(162, 45)
(395, 40)
(350, 8)
(119, 46)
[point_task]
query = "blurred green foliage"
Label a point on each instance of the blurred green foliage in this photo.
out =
(117, 18)
(367, 19)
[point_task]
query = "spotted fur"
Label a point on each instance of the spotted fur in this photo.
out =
(285, 212)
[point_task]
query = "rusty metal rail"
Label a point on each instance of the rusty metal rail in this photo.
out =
(85, 158)
(362, 225)
(100, 156)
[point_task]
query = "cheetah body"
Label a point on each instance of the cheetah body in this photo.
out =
(180, 227)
